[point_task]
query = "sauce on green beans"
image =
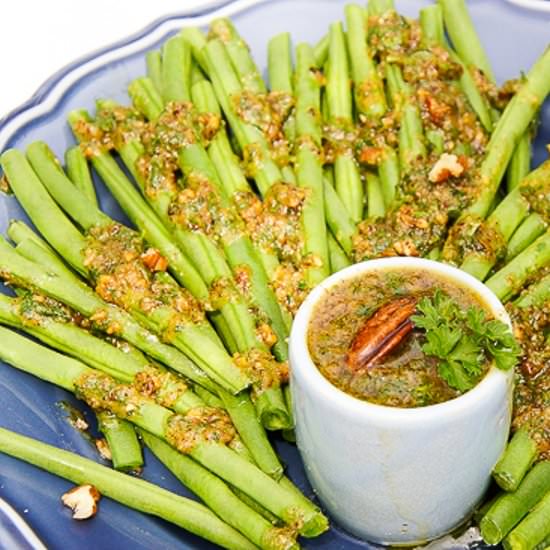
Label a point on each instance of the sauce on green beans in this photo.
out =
(129, 275)
(532, 389)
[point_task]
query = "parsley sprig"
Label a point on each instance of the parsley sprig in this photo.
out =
(463, 341)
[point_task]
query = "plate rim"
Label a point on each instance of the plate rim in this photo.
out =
(48, 95)
(532, 5)
(20, 527)
(51, 91)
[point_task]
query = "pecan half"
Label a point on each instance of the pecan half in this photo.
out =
(381, 333)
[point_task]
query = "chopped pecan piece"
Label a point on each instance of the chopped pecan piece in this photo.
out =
(153, 260)
(446, 166)
(4, 185)
(103, 449)
(437, 110)
(266, 334)
(381, 333)
(82, 500)
(406, 247)
(371, 155)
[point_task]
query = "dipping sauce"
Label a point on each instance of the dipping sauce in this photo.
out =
(364, 339)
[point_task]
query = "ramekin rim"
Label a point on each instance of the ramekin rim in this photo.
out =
(303, 367)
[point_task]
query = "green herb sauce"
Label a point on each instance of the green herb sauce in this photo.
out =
(406, 377)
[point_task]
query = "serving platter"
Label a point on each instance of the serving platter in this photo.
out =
(514, 37)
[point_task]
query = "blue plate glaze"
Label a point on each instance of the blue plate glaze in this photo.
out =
(15, 532)
(514, 38)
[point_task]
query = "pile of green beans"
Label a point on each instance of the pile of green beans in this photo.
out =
(243, 195)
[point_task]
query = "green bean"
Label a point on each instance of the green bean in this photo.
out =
(153, 60)
(244, 65)
(533, 531)
(511, 278)
(375, 201)
(47, 216)
(518, 457)
(279, 63)
(176, 70)
(320, 51)
(464, 37)
(338, 258)
(348, 183)
(79, 172)
(511, 126)
(219, 497)
(135, 493)
(309, 167)
(368, 88)
(510, 508)
(532, 227)
(520, 164)
(123, 443)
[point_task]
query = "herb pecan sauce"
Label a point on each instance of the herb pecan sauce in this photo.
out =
(403, 376)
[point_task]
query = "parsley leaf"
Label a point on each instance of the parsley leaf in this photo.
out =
(463, 341)
(495, 337)
(441, 341)
(470, 355)
(452, 372)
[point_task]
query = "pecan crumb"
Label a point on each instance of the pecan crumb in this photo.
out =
(82, 500)
(81, 424)
(103, 449)
(153, 260)
(5, 185)
(446, 166)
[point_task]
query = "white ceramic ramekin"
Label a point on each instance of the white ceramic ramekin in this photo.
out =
(391, 475)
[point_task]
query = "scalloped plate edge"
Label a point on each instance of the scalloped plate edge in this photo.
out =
(52, 91)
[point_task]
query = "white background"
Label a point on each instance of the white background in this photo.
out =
(37, 38)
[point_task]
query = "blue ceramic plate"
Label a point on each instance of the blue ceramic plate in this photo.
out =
(514, 38)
